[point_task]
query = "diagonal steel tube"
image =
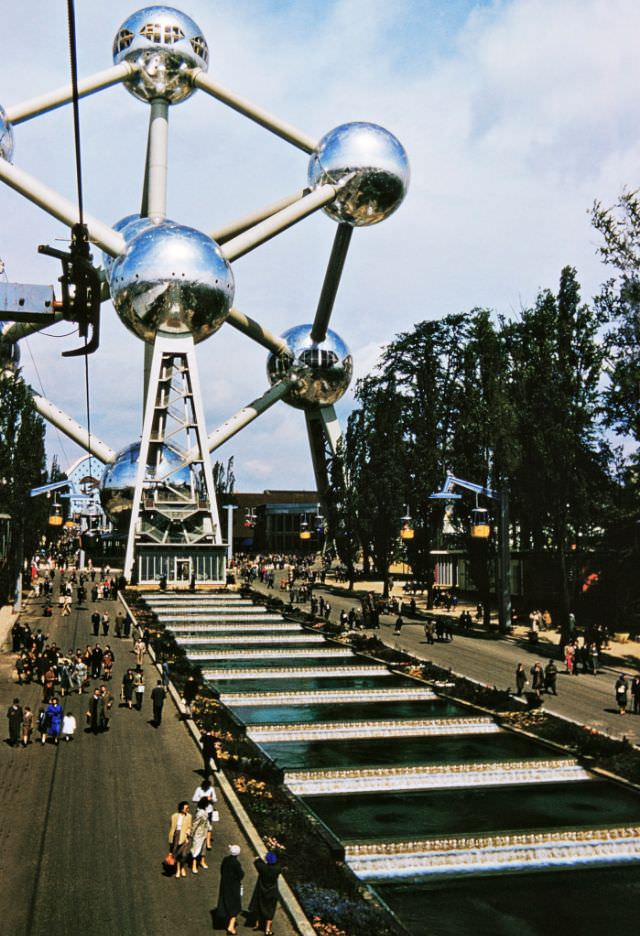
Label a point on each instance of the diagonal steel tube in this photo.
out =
(53, 99)
(280, 221)
(331, 282)
(61, 208)
(257, 332)
(282, 129)
(223, 234)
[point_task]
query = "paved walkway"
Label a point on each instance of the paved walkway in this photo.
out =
(83, 826)
(492, 660)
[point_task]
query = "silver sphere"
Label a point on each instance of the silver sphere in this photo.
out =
(377, 164)
(163, 44)
(129, 227)
(119, 481)
(323, 369)
(6, 137)
(172, 280)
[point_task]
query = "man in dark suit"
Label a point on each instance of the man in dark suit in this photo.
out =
(157, 700)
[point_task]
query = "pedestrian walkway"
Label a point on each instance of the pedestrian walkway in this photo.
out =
(492, 660)
(84, 824)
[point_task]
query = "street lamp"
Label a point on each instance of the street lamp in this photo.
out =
(480, 524)
(406, 530)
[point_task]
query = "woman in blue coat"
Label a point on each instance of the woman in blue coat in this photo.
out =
(54, 719)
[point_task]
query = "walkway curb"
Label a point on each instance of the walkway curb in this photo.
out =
(289, 900)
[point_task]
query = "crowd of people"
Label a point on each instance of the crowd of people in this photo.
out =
(190, 837)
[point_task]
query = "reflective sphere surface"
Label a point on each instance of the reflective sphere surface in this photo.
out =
(6, 137)
(323, 369)
(375, 164)
(164, 44)
(172, 280)
(128, 226)
(119, 481)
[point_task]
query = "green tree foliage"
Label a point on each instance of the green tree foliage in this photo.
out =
(22, 466)
(619, 227)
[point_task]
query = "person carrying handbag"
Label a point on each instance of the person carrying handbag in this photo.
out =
(180, 838)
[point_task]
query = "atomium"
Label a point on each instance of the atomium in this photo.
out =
(172, 280)
(162, 44)
(372, 166)
(6, 137)
(322, 369)
(172, 285)
(119, 481)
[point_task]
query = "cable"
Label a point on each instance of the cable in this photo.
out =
(73, 56)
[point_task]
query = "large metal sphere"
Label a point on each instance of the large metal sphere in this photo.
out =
(163, 44)
(323, 369)
(377, 164)
(119, 481)
(6, 137)
(129, 226)
(172, 280)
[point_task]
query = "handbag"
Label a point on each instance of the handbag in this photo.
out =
(170, 860)
(215, 815)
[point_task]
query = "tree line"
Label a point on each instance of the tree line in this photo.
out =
(545, 405)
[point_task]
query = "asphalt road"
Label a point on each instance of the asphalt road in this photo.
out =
(83, 826)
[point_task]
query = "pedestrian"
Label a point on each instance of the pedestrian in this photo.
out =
(199, 836)
(209, 752)
(398, 624)
(621, 690)
(126, 627)
(95, 622)
(180, 837)
(54, 719)
(107, 705)
(95, 711)
(550, 677)
(128, 682)
(105, 623)
(537, 679)
(166, 674)
(42, 725)
(118, 624)
(157, 701)
(27, 725)
(635, 694)
(521, 679)
(189, 694)
(14, 716)
(139, 689)
(68, 726)
(139, 649)
(264, 899)
(205, 790)
(230, 894)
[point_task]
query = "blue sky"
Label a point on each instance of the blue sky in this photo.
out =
(516, 116)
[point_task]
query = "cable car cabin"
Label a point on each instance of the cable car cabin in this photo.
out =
(480, 526)
(407, 532)
(55, 516)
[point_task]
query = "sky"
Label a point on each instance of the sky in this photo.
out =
(516, 115)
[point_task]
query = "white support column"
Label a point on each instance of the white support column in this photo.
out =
(252, 329)
(225, 233)
(53, 99)
(230, 508)
(247, 414)
(143, 456)
(259, 234)
(155, 194)
(282, 129)
(112, 242)
(73, 430)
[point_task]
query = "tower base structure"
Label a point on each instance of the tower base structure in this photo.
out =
(179, 566)
(174, 531)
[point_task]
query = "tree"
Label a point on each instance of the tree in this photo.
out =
(22, 466)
